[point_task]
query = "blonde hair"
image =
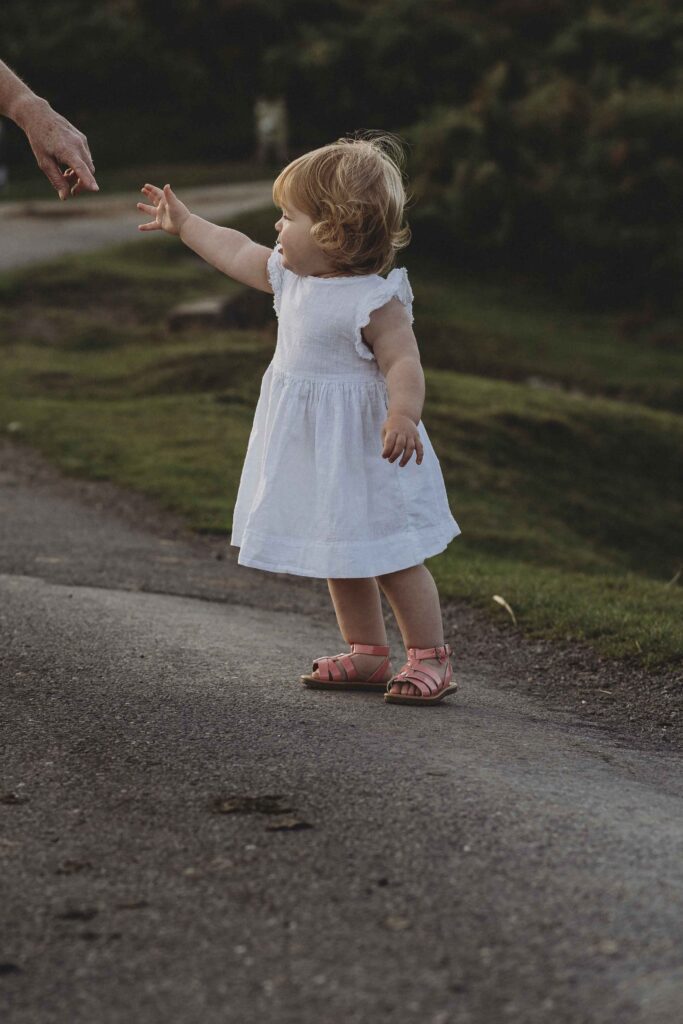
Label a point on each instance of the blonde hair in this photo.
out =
(353, 191)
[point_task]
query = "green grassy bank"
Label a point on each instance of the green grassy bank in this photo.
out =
(569, 497)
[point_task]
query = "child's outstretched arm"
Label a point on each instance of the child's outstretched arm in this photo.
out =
(230, 251)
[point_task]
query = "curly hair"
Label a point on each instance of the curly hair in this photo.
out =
(353, 191)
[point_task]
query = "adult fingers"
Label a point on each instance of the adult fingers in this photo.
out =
(76, 185)
(87, 156)
(78, 188)
(71, 147)
(54, 175)
(85, 177)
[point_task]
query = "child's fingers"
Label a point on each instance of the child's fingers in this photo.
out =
(397, 447)
(146, 208)
(153, 226)
(153, 191)
(401, 444)
(410, 448)
(389, 442)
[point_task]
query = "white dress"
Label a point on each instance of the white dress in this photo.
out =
(315, 497)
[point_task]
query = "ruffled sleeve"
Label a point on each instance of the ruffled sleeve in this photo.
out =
(276, 273)
(395, 284)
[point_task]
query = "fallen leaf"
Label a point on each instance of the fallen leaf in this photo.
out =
(506, 606)
(287, 825)
(269, 803)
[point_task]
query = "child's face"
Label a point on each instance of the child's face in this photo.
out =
(300, 253)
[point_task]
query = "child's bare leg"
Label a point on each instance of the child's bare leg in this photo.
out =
(358, 607)
(414, 598)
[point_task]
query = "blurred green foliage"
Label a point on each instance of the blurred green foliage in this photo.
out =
(544, 134)
(566, 161)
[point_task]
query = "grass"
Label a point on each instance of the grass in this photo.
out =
(569, 500)
(504, 330)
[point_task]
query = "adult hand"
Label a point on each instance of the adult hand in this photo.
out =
(55, 142)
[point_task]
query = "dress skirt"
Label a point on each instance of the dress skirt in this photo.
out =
(315, 496)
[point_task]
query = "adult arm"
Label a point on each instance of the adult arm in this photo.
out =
(54, 140)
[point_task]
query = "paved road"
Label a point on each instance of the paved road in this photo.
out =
(483, 861)
(41, 230)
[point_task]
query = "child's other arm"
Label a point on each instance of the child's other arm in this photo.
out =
(230, 251)
(395, 348)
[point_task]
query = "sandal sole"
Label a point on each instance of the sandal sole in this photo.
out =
(313, 683)
(400, 698)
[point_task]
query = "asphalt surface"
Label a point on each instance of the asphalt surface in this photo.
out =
(485, 860)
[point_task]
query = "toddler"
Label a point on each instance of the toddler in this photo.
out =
(329, 487)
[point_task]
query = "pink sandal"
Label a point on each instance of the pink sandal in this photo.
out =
(424, 677)
(331, 677)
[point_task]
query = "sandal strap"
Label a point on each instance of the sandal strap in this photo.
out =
(425, 678)
(329, 671)
(426, 653)
(370, 649)
(351, 670)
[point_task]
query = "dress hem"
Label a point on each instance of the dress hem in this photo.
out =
(370, 570)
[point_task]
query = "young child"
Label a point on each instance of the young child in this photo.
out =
(322, 492)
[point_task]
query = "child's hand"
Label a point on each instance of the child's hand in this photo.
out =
(400, 434)
(168, 212)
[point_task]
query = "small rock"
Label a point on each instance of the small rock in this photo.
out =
(200, 313)
(250, 308)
